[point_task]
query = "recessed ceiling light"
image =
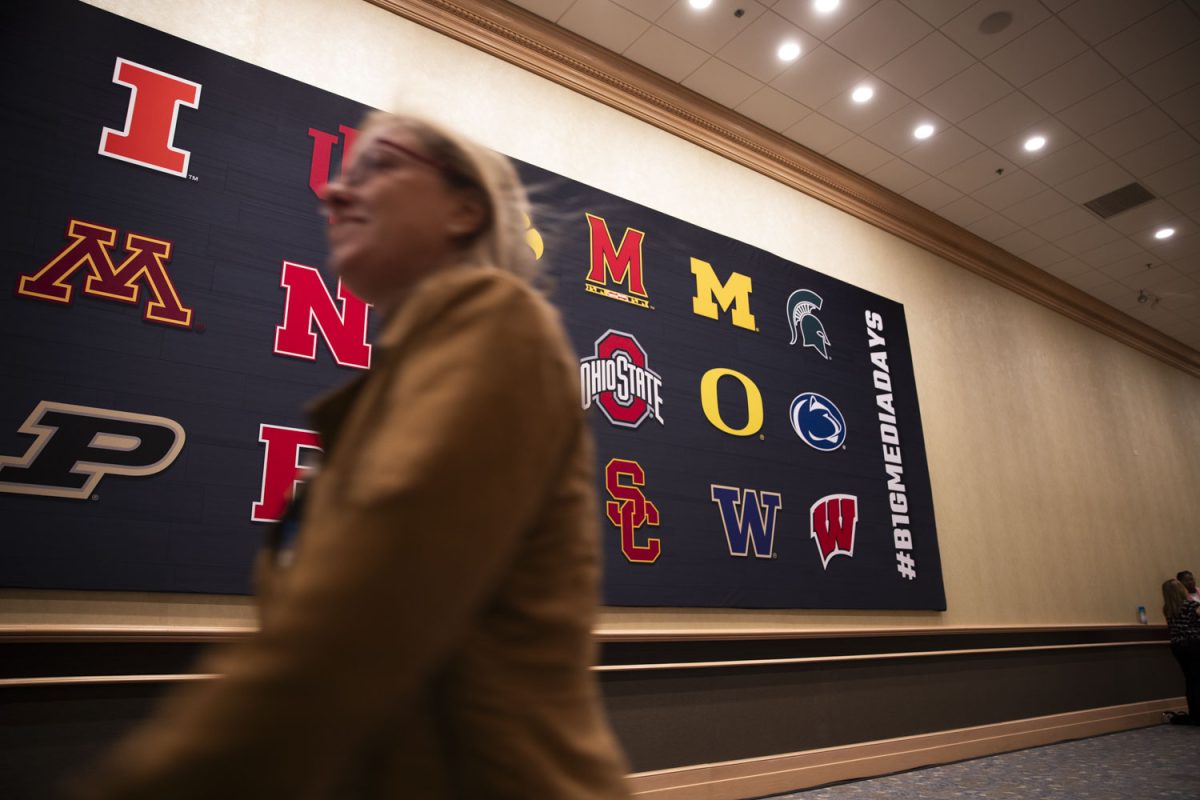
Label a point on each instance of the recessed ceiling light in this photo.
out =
(826, 6)
(788, 51)
(862, 93)
(1164, 233)
(700, 5)
(923, 131)
(1035, 143)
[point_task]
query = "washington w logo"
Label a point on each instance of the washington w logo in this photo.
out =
(748, 519)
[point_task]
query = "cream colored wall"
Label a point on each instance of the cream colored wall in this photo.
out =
(1065, 466)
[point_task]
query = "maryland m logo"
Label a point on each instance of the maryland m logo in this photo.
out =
(733, 293)
(629, 509)
(623, 264)
(748, 519)
(834, 519)
(91, 246)
(77, 446)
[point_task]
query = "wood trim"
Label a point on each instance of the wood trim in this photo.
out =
(770, 775)
(185, 633)
(534, 44)
(769, 662)
(105, 680)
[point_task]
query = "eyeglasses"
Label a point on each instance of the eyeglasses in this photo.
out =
(371, 162)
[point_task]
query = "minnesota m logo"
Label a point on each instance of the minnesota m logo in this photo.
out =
(91, 246)
(749, 519)
(711, 293)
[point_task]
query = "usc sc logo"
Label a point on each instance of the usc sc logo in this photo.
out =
(629, 510)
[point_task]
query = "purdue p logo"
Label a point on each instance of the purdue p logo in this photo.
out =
(77, 446)
(629, 510)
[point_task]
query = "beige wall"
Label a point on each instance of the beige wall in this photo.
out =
(1065, 466)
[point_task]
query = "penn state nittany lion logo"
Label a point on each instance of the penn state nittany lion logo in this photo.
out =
(800, 307)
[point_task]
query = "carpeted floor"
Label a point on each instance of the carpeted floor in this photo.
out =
(1159, 763)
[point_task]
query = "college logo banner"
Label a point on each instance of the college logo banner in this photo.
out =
(759, 441)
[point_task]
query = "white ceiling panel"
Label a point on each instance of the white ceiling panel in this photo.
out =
(1171, 74)
(898, 175)
(965, 28)
(1144, 218)
(711, 29)
(1095, 182)
(1069, 269)
(1187, 201)
(860, 116)
(1087, 239)
(1160, 153)
(964, 211)
(1033, 54)
(1009, 190)
(1057, 136)
(1090, 279)
(753, 51)
(966, 93)
(1111, 251)
(880, 34)
(550, 9)
(938, 12)
(1020, 242)
(1145, 42)
(1064, 223)
(717, 80)
(895, 133)
(649, 9)
(926, 65)
(666, 54)
(933, 194)
(1097, 20)
(953, 147)
(802, 13)
(1104, 108)
(1002, 119)
(1074, 159)
(977, 171)
(1147, 125)
(1185, 106)
(771, 108)
(1046, 255)
(1079, 78)
(993, 227)
(1040, 206)
(860, 155)
(819, 76)
(1175, 178)
(1126, 266)
(819, 133)
(605, 23)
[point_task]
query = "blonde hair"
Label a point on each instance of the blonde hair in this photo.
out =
(500, 242)
(1174, 598)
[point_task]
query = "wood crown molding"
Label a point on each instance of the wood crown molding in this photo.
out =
(532, 43)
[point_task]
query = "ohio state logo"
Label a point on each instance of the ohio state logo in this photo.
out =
(618, 379)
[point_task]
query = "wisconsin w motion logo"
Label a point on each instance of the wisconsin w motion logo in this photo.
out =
(77, 446)
(834, 520)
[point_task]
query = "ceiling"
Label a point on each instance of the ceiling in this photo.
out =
(1112, 85)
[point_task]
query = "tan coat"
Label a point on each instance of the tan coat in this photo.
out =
(432, 637)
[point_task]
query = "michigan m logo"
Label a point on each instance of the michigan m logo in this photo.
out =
(629, 510)
(748, 519)
(712, 296)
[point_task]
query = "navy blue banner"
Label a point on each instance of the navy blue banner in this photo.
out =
(168, 315)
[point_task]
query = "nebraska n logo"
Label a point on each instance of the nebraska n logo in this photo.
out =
(629, 509)
(749, 519)
(76, 446)
(834, 519)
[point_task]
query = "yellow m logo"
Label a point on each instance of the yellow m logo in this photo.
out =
(710, 293)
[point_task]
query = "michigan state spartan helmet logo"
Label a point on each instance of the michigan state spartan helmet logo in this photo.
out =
(801, 305)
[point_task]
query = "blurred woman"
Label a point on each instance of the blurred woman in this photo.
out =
(431, 634)
(1183, 625)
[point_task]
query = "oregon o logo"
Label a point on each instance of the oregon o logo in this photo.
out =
(817, 421)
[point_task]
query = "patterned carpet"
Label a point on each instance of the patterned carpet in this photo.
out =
(1158, 763)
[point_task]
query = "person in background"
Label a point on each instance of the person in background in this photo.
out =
(430, 636)
(1189, 582)
(1183, 626)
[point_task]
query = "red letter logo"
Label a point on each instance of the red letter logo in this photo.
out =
(322, 155)
(629, 509)
(834, 519)
(150, 122)
(623, 264)
(308, 301)
(281, 468)
(89, 246)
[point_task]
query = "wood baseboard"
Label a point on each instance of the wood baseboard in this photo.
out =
(757, 777)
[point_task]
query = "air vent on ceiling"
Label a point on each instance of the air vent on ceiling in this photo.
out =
(1118, 200)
